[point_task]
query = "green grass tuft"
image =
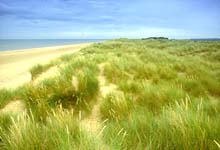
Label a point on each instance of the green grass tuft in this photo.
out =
(166, 96)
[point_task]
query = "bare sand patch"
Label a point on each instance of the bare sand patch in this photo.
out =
(16, 106)
(75, 82)
(15, 65)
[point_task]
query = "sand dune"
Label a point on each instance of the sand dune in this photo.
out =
(15, 65)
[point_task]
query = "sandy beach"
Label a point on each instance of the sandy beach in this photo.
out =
(15, 65)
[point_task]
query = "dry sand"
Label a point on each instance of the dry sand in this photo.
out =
(16, 107)
(15, 65)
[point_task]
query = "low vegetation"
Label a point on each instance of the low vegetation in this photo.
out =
(60, 131)
(167, 96)
(38, 69)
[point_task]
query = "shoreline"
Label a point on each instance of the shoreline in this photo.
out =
(15, 64)
(21, 44)
(43, 47)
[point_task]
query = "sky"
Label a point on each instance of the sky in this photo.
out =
(106, 19)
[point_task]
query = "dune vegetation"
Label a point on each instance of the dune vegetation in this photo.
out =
(120, 94)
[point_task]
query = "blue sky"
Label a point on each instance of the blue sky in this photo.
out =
(60, 19)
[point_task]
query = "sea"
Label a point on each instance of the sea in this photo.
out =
(16, 44)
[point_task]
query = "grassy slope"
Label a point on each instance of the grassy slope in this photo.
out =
(167, 97)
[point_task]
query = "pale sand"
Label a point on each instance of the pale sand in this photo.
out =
(16, 107)
(15, 65)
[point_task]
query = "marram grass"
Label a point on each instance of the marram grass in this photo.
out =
(166, 97)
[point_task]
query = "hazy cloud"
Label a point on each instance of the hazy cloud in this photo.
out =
(109, 18)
